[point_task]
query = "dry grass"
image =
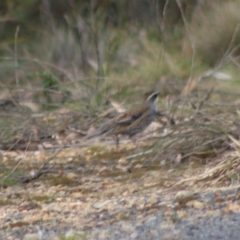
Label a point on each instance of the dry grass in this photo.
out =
(223, 172)
(201, 130)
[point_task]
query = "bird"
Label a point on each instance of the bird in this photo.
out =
(130, 122)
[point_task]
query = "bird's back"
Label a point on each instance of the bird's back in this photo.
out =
(141, 119)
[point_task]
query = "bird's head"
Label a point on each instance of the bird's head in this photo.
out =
(151, 96)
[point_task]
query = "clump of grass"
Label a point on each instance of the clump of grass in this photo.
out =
(5, 202)
(42, 199)
(8, 179)
(60, 180)
(75, 236)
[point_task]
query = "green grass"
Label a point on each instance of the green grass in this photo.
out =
(8, 179)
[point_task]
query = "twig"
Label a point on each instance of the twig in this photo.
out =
(165, 13)
(38, 174)
(45, 169)
(190, 79)
(207, 96)
(161, 19)
(16, 56)
(139, 154)
(227, 55)
(15, 168)
(94, 29)
(228, 51)
(185, 22)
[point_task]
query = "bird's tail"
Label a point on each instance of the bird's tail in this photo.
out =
(105, 129)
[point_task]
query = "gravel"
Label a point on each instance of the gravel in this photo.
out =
(195, 227)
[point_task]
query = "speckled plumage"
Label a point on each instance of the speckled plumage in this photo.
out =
(130, 122)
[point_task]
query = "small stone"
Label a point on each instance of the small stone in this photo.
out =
(183, 197)
(53, 238)
(195, 204)
(72, 176)
(153, 199)
(35, 218)
(134, 235)
(70, 234)
(36, 184)
(70, 159)
(182, 214)
(77, 194)
(31, 236)
(103, 169)
(151, 220)
(127, 228)
(123, 160)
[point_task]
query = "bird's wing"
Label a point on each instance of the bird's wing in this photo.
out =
(128, 117)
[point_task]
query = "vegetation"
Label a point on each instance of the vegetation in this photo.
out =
(67, 66)
(77, 56)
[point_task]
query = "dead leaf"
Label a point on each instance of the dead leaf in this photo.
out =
(178, 158)
(232, 207)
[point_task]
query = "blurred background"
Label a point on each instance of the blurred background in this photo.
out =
(76, 55)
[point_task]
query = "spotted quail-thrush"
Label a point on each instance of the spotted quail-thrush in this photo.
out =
(130, 122)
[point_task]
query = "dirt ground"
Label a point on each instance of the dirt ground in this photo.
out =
(99, 193)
